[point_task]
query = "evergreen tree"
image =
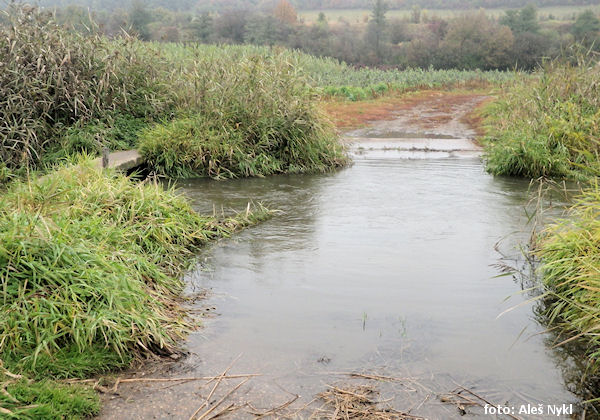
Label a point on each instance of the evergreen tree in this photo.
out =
(521, 21)
(376, 29)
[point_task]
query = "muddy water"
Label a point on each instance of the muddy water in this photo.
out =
(387, 267)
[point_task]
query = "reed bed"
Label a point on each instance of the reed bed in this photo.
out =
(571, 273)
(547, 126)
(54, 82)
(330, 77)
(261, 118)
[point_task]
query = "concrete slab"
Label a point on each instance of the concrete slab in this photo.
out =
(123, 161)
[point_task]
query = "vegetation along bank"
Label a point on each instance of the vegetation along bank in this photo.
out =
(547, 127)
(90, 260)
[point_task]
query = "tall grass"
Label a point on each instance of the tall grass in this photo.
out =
(570, 251)
(62, 93)
(52, 79)
(89, 266)
(547, 126)
(260, 118)
(331, 77)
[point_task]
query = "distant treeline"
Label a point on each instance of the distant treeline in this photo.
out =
(517, 39)
(221, 5)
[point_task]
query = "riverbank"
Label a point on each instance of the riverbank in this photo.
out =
(91, 260)
(547, 128)
(90, 267)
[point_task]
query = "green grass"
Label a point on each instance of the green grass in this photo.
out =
(569, 250)
(46, 399)
(547, 126)
(90, 265)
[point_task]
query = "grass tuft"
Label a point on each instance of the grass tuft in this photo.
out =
(46, 399)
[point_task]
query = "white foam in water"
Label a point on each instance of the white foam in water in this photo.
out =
(413, 148)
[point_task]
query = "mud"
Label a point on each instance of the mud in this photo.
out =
(434, 125)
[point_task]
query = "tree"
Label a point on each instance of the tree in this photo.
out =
(285, 12)
(376, 28)
(520, 21)
(586, 27)
(322, 20)
(529, 50)
(201, 28)
(397, 31)
(473, 41)
(266, 30)
(415, 14)
(232, 26)
(139, 18)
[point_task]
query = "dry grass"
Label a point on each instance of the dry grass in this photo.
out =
(356, 402)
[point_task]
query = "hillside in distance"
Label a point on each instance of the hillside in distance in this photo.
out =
(221, 5)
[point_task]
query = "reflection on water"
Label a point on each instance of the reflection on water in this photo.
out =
(388, 265)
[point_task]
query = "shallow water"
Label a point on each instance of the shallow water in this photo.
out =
(386, 266)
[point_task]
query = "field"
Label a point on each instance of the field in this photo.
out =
(564, 13)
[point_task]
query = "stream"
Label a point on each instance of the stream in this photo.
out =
(388, 267)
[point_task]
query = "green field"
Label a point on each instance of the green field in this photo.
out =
(360, 15)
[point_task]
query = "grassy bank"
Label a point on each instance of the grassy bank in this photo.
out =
(547, 126)
(90, 266)
(570, 253)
